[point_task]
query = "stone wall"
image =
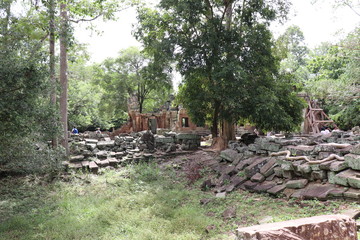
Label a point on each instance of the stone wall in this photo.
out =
(92, 151)
(252, 168)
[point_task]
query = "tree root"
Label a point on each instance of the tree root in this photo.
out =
(288, 157)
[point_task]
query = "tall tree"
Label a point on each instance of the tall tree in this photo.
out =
(223, 49)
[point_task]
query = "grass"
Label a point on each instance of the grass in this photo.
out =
(136, 202)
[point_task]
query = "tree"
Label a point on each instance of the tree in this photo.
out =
(134, 74)
(224, 52)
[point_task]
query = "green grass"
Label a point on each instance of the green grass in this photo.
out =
(137, 202)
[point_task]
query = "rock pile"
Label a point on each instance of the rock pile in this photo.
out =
(251, 167)
(90, 151)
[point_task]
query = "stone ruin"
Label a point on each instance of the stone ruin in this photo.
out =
(252, 167)
(91, 151)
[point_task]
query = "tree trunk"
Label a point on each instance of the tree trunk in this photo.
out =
(227, 132)
(52, 62)
(63, 76)
(215, 123)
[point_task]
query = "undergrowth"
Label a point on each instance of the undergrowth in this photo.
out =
(136, 202)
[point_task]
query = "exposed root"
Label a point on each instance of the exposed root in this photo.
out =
(288, 157)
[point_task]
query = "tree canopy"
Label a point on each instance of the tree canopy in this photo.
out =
(224, 52)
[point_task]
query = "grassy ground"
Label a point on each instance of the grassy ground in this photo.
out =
(138, 202)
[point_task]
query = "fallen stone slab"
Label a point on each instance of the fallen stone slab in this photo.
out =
(300, 150)
(76, 165)
(77, 158)
(91, 141)
(318, 191)
(352, 194)
(276, 189)
(355, 149)
(342, 177)
(230, 155)
(258, 177)
(254, 167)
(326, 227)
(264, 186)
(85, 164)
(297, 184)
(338, 166)
(268, 168)
(113, 162)
(105, 144)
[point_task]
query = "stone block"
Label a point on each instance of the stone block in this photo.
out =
(305, 168)
(264, 186)
(318, 191)
(105, 144)
(352, 193)
(355, 149)
(230, 155)
(249, 185)
(77, 158)
(75, 165)
(318, 175)
(85, 164)
(342, 177)
(352, 177)
(323, 148)
(113, 162)
(91, 141)
(323, 155)
(300, 150)
(276, 189)
(353, 161)
(326, 227)
(253, 147)
(326, 165)
(296, 184)
(254, 167)
(258, 177)
(104, 163)
(102, 155)
(288, 174)
(338, 166)
(268, 168)
(272, 147)
(315, 167)
(93, 167)
(278, 171)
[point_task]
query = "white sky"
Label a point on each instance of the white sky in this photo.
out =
(319, 22)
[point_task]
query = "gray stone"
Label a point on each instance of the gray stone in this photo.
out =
(278, 171)
(352, 193)
(300, 150)
(77, 158)
(323, 148)
(342, 177)
(268, 168)
(276, 189)
(93, 167)
(355, 149)
(272, 147)
(338, 166)
(326, 165)
(264, 186)
(353, 161)
(255, 166)
(318, 175)
(105, 144)
(230, 155)
(258, 177)
(288, 174)
(221, 195)
(323, 155)
(305, 168)
(296, 184)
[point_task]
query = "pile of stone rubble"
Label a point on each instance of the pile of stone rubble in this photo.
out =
(91, 151)
(251, 167)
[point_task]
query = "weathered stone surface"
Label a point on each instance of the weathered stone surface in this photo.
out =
(102, 155)
(338, 166)
(353, 161)
(352, 177)
(296, 184)
(104, 163)
(268, 168)
(272, 147)
(76, 158)
(355, 149)
(318, 175)
(276, 189)
(323, 148)
(113, 162)
(230, 155)
(243, 164)
(318, 191)
(305, 168)
(85, 164)
(327, 227)
(91, 141)
(352, 193)
(249, 185)
(236, 180)
(341, 178)
(75, 165)
(229, 213)
(326, 165)
(104, 144)
(264, 186)
(300, 150)
(93, 167)
(255, 166)
(258, 177)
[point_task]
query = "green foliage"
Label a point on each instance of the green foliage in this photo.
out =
(27, 120)
(226, 61)
(335, 81)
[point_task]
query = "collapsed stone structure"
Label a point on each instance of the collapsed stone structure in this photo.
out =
(91, 151)
(327, 227)
(251, 167)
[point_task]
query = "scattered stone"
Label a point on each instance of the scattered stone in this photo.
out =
(221, 195)
(338, 166)
(276, 189)
(296, 184)
(353, 161)
(258, 177)
(229, 213)
(77, 158)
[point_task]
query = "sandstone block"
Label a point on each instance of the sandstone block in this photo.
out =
(326, 227)
(264, 186)
(268, 168)
(105, 144)
(300, 150)
(353, 161)
(296, 184)
(276, 189)
(230, 155)
(338, 166)
(352, 193)
(355, 149)
(93, 167)
(258, 177)
(254, 167)
(77, 158)
(318, 175)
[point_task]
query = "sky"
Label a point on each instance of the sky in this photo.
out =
(319, 22)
